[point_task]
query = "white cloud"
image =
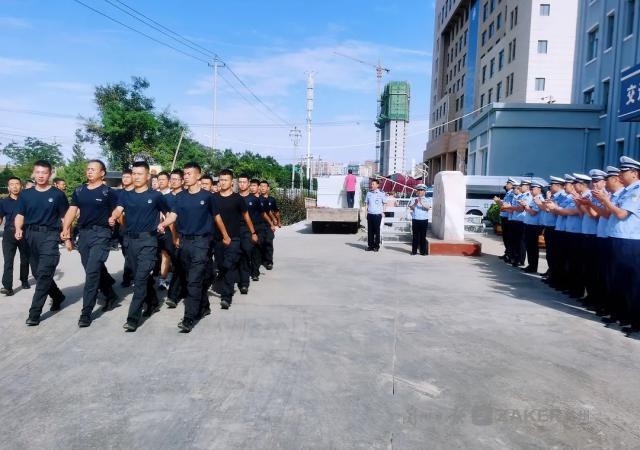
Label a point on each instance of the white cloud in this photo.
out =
(14, 23)
(11, 66)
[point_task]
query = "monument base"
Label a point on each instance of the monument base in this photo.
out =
(440, 247)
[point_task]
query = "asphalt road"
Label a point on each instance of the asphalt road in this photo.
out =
(334, 348)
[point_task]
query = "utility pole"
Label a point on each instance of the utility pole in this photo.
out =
(295, 135)
(309, 111)
(216, 63)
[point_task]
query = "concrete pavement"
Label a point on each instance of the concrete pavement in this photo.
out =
(334, 348)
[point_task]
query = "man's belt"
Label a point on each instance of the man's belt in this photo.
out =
(143, 234)
(42, 228)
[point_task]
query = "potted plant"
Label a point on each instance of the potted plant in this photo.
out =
(493, 215)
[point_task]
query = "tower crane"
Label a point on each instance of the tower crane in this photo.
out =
(379, 71)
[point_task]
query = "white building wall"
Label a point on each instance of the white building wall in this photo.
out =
(556, 66)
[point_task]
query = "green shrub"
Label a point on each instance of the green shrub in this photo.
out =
(292, 209)
(493, 214)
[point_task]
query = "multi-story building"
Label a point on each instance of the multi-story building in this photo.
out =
(393, 121)
(608, 44)
(486, 51)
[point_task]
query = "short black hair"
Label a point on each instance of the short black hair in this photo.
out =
(140, 164)
(14, 178)
(103, 166)
(254, 181)
(226, 172)
(243, 175)
(43, 163)
(206, 176)
(164, 173)
(215, 182)
(126, 172)
(177, 172)
(375, 180)
(193, 165)
(264, 182)
(58, 180)
(349, 171)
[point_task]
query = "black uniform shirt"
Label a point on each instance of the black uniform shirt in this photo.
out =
(142, 210)
(44, 208)
(96, 205)
(8, 211)
(269, 204)
(231, 209)
(254, 206)
(195, 212)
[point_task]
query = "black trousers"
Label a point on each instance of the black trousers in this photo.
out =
(351, 196)
(267, 245)
(419, 231)
(574, 264)
(373, 230)
(505, 222)
(518, 247)
(589, 264)
(244, 265)
(627, 275)
(194, 255)
(141, 257)
(94, 246)
(44, 255)
(177, 286)
(548, 233)
(531, 235)
(127, 274)
(9, 247)
(600, 262)
(227, 260)
(256, 252)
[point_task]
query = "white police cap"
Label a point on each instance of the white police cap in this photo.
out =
(597, 174)
(556, 180)
(421, 187)
(627, 163)
(611, 171)
(569, 178)
(582, 178)
(515, 182)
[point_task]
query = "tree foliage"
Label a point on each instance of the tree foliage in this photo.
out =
(24, 155)
(74, 171)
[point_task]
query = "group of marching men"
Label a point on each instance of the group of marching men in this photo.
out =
(591, 228)
(197, 234)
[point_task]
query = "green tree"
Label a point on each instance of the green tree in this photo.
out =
(24, 155)
(126, 125)
(74, 171)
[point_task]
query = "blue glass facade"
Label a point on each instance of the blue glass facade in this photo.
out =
(607, 46)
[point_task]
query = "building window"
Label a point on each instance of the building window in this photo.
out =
(629, 16)
(587, 96)
(592, 44)
(484, 37)
(620, 148)
(500, 60)
(545, 9)
(485, 11)
(499, 91)
(605, 95)
(481, 100)
(499, 22)
(492, 67)
(512, 48)
(490, 96)
(493, 5)
(491, 28)
(510, 88)
(540, 84)
(611, 22)
(542, 46)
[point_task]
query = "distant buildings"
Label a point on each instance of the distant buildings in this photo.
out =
(392, 121)
(486, 51)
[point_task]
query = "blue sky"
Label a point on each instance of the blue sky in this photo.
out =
(53, 53)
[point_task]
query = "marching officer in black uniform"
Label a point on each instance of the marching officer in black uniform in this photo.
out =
(233, 211)
(38, 220)
(9, 242)
(95, 202)
(270, 207)
(142, 207)
(177, 286)
(195, 211)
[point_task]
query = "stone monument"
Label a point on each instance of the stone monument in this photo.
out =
(449, 198)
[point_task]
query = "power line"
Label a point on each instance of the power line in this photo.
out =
(194, 46)
(140, 32)
(158, 27)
